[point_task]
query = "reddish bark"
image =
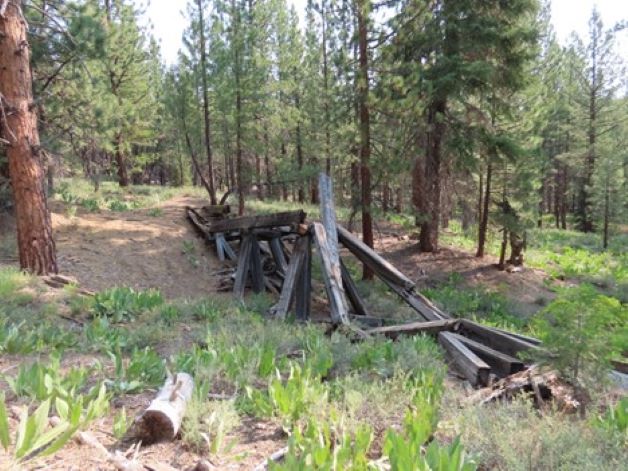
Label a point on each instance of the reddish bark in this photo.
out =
(19, 127)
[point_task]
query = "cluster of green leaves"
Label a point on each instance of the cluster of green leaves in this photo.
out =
(144, 369)
(21, 338)
(34, 436)
(122, 304)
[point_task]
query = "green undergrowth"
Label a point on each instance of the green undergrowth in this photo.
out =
(339, 404)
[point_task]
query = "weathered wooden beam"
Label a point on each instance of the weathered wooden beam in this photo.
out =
(328, 215)
(496, 339)
(303, 296)
(352, 292)
(413, 328)
(251, 222)
(255, 267)
(427, 311)
(280, 310)
(331, 276)
(501, 364)
(242, 271)
(380, 266)
(226, 247)
(468, 363)
(279, 256)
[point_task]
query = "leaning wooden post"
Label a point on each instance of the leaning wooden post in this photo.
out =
(326, 236)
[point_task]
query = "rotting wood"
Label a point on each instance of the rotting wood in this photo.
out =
(162, 419)
(303, 295)
(328, 216)
(543, 386)
(352, 291)
(280, 310)
(382, 267)
(275, 457)
(468, 363)
(495, 339)
(500, 363)
(243, 267)
(331, 276)
(413, 328)
(287, 218)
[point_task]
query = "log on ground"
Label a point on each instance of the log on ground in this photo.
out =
(162, 419)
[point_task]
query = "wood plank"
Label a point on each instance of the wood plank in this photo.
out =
(501, 364)
(468, 363)
(380, 266)
(428, 312)
(255, 266)
(280, 310)
(243, 267)
(328, 216)
(220, 248)
(286, 218)
(229, 252)
(332, 277)
(279, 256)
(352, 292)
(303, 296)
(497, 340)
(413, 328)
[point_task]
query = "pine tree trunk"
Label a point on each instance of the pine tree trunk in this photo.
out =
(430, 208)
(36, 245)
(607, 203)
(483, 227)
(365, 131)
(208, 147)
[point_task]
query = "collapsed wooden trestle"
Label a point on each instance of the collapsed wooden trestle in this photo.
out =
(275, 254)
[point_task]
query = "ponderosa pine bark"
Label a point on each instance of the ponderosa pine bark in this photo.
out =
(18, 126)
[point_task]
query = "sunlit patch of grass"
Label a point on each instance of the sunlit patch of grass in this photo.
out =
(12, 286)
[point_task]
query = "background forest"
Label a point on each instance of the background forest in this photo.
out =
(478, 154)
(432, 110)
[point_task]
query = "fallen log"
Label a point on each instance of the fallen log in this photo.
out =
(468, 363)
(418, 302)
(287, 218)
(500, 363)
(162, 419)
(413, 328)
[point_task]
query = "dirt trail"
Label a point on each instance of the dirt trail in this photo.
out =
(137, 249)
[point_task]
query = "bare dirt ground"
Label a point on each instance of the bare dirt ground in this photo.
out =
(136, 249)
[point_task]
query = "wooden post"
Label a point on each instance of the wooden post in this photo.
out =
(243, 266)
(497, 340)
(280, 310)
(332, 277)
(257, 273)
(278, 255)
(352, 292)
(303, 298)
(501, 364)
